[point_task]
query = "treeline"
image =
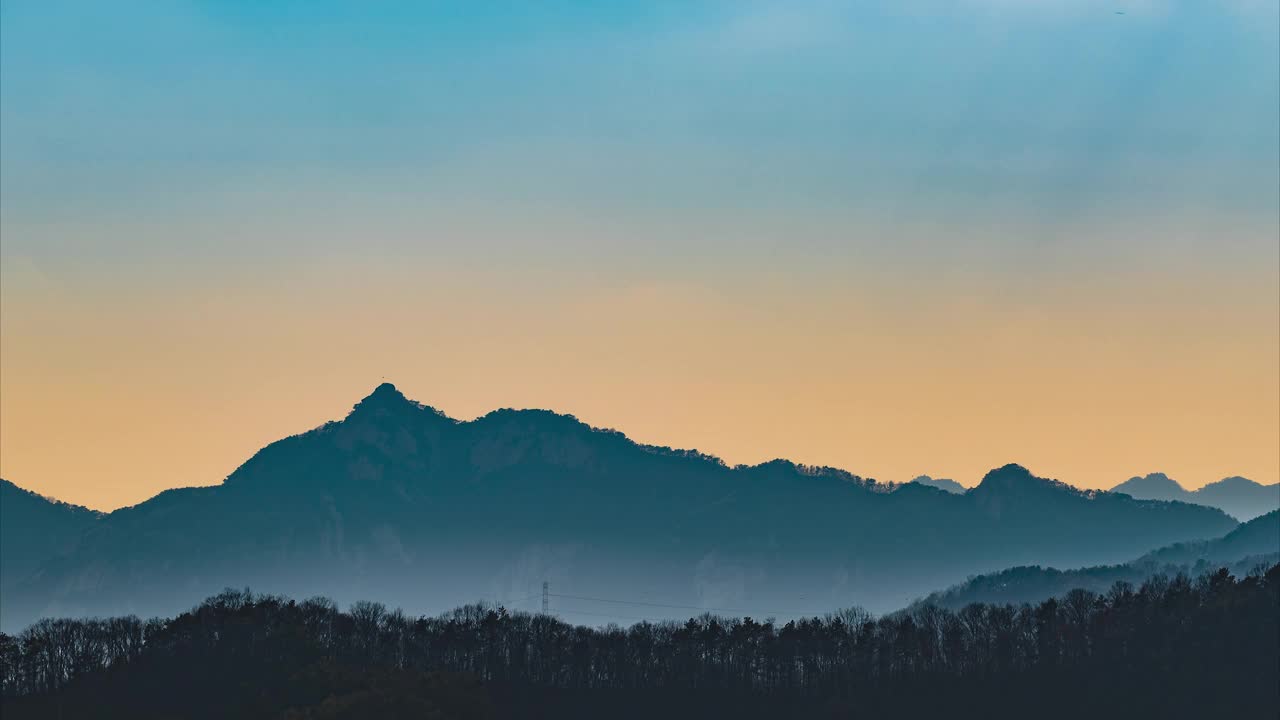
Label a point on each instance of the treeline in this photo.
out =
(1172, 646)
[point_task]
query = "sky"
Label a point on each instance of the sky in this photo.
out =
(897, 237)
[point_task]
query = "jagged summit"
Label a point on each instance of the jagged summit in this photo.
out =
(1155, 477)
(386, 401)
(384, 394)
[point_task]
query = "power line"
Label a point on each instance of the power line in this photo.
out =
(604, 615)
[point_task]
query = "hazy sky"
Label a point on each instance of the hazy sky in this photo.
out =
(895, 236)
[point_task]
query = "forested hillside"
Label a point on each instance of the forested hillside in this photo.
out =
(1173, 647)
(1253, 544)
(401, 503)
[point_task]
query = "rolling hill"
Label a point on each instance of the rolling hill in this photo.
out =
(1250, 546)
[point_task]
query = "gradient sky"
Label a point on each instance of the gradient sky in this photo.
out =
(895, 236)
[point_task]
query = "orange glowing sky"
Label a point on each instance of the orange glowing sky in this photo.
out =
(110, 396)
(928, 241)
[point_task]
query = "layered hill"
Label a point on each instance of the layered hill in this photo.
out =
(401, 503)
(1239, 497)
(1253, 545)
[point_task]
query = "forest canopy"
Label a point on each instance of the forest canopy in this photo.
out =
(1171, 647)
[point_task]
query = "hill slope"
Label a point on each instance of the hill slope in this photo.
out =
(34, 529)
(399, 502)
(1253, 544)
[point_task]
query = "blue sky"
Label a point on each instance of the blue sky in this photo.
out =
(1045, 111)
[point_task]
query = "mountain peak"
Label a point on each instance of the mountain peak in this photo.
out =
(1008, 475)
(385, 390)
(1151, 481)
(1235, 481)
(1153, 486)
(1014, 479)
(384, 399)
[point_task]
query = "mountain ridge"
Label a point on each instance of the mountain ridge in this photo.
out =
(1240, 497)
(400, 501)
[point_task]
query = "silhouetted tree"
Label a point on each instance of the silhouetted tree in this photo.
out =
(1175, 646)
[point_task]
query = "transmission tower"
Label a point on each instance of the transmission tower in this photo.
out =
(546, 597)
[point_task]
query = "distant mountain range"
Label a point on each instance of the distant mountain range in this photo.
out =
(1252, 545)
(399, 502)
(1239, 497)
(946, 484)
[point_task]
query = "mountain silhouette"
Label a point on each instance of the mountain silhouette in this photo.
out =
(1239, 497)
(34, 529)
(399, 502)
(1250, 546)
(946, 484)
(1155, 486)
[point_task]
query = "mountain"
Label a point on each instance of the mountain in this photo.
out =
(1259, 536)
(1156, 486)
(947, 484)
(1239, 497)
(34, 529)
(401, 503)
(1251, 545)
